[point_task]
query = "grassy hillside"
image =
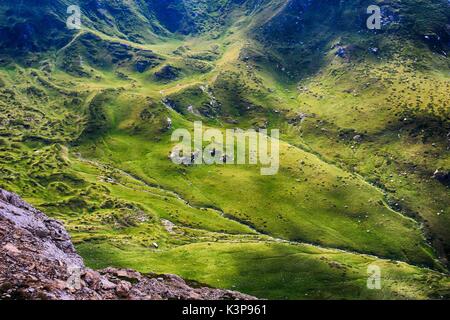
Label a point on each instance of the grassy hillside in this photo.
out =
(364, 122)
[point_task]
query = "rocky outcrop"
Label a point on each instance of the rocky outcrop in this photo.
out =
(38, 261)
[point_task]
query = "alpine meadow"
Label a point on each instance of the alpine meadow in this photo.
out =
(321, 169)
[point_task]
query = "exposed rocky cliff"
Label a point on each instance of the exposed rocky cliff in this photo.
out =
(38, 261)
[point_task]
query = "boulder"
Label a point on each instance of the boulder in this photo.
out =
(442, 176)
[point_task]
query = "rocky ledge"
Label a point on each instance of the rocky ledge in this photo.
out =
(38, 261)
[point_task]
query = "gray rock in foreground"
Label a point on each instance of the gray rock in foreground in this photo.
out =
(38, 261)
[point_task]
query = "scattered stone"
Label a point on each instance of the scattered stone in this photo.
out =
(168, 225)
(374, 50)
(123, 289)
(357, 138)
(442, 176)
(341, 52)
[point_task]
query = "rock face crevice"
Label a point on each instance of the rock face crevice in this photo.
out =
(39, 261)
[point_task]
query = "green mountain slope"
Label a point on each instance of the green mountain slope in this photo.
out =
(364, 121)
